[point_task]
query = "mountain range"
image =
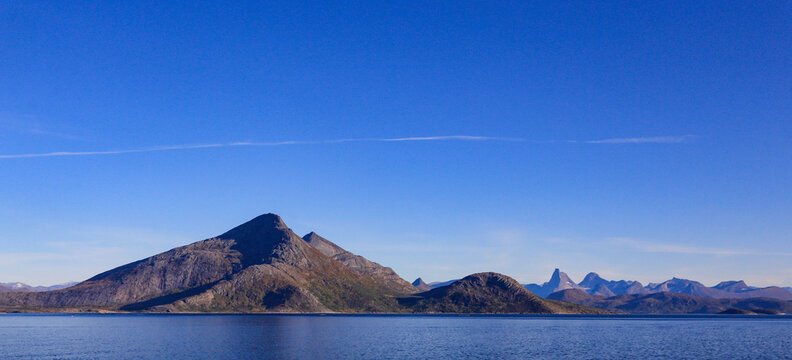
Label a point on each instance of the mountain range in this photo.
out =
(263, 266)
(593, 284)
(18, 286)
(674, 303)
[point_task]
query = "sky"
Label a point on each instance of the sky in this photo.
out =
(639, 140)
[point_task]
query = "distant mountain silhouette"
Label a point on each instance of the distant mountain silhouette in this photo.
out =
(17, 286)
(421, 285)
(593, 284)
(558, 281)
(733, 286)
(489, 293)
(724, 290)
(672, 303)
(437, 284)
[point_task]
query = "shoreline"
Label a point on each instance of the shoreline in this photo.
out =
(438, 315)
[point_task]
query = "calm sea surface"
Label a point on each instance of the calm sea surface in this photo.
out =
(391, 337)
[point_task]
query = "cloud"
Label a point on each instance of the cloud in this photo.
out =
(660, 139)
(645, 140)
(658, 247)
(256, 144)
(29, 124)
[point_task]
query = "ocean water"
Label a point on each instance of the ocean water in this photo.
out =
(122, 336)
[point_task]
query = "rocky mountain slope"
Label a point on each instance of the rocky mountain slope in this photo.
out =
(385, 276)
(258, 266)
(489, 293)
(263, 266)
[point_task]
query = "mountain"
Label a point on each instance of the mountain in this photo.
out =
(9, 287)
(724, 290)
(489, 293)
(437, 284)
(385, 276)
(684, 286)
(672, 303)
(558, 281)
(260, 265)
(595, 285)
(421, 285)
(733, 286)
(263, 266)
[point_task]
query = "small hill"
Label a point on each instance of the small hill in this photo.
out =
(489, 293)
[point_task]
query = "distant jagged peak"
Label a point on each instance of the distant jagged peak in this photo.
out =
(560, 280)
(421, 285)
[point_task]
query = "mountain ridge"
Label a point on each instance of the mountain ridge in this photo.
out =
(593, 284)
(673, 303)
(263, 266)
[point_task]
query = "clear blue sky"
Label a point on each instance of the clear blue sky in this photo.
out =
(641, 140)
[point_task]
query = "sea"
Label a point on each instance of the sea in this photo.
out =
(150, 336)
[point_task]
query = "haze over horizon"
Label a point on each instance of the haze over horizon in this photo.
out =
(641, 141)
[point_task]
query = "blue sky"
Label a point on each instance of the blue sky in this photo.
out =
(640, 140)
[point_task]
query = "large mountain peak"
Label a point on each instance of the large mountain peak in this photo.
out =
(264, 238)
(259, 227)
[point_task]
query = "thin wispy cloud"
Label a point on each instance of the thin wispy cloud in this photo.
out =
(29, 124)
(671, 139)
(645, 140)
(257, 144)
(660, 247)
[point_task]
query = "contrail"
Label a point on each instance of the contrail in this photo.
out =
(644, 140)
(255, 144)
(640, 140)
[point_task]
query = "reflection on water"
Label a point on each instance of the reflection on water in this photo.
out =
(390, 337)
